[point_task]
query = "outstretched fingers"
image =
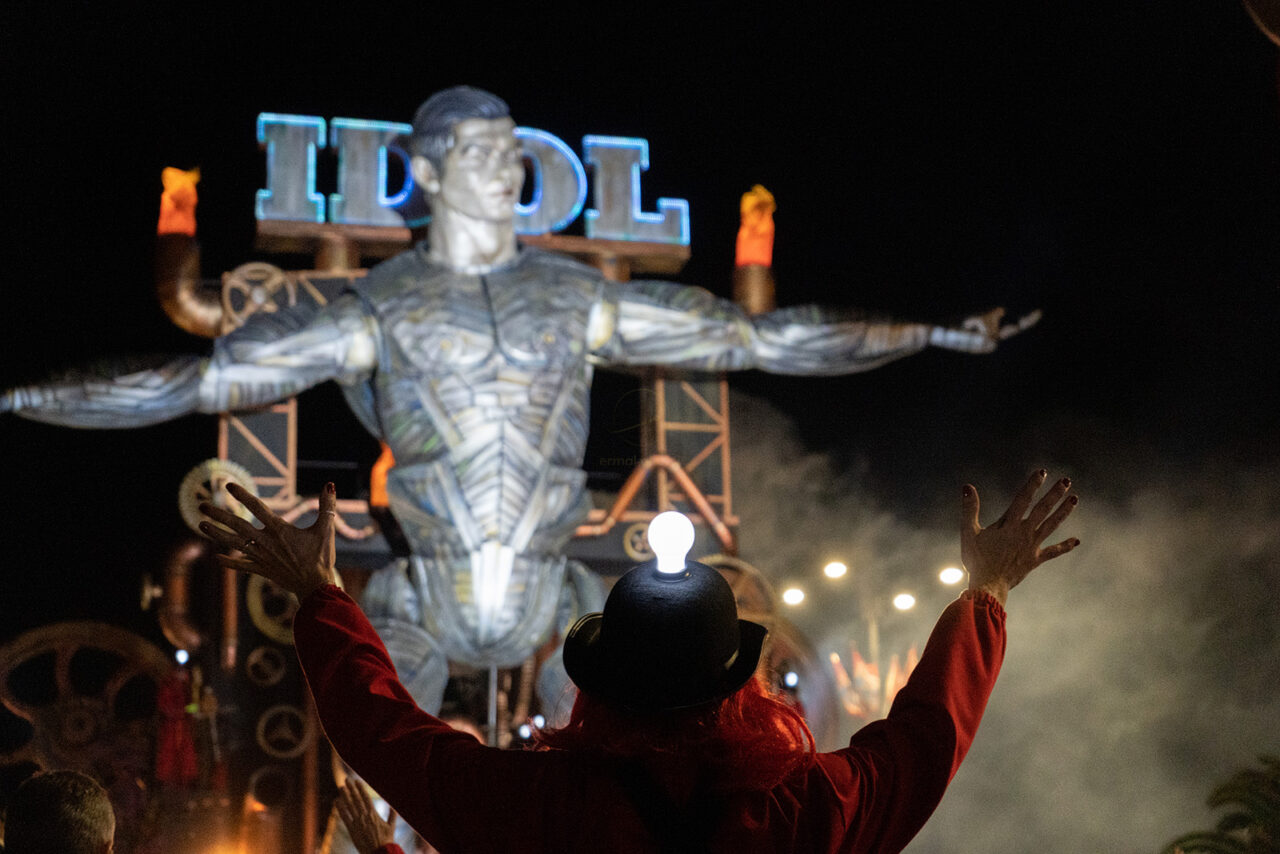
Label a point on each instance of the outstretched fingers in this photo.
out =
(1045, 505)
(255, 504)
(969, 509)
(1022, 501)
(1054, 519)
(1057, 550)
(230, 530)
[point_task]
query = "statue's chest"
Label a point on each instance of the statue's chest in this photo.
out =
(463, 323)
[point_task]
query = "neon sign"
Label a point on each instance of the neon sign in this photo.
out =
(557, 178)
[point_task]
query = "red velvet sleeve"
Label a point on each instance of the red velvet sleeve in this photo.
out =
(900, 766)
(415, 761)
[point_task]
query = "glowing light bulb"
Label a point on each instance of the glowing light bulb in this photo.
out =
(181, 656)
(835, 569)
(793, 595)
(671, 537)
(904, 601)
(951, 575)
(791, 679)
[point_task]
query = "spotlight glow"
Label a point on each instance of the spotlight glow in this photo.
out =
(793, 595)
(791, 679)
(671, 537)
(951, 575)
(904, 601)
(835, 569)
(181, 656)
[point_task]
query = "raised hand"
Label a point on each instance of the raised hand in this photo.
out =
(366, 828)
(1000, 556)
(297, 559)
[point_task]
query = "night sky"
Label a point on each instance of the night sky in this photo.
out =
(1116, 165)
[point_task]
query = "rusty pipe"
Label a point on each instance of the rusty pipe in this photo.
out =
(230, 619)
(754, 289)
(194, 304)
(637, 478)
(1266, 14)
(173, 614)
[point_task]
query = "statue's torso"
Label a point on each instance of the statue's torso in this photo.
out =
(482, 391)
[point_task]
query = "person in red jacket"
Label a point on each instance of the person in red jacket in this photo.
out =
(672, 745)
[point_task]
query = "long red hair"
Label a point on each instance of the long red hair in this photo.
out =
(749, 741)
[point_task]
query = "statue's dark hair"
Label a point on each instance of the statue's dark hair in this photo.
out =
(434, 121)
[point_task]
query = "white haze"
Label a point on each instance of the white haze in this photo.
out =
(1142, 668)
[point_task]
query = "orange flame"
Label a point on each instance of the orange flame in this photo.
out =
(378, 478)
(755, 235)
(178, 202)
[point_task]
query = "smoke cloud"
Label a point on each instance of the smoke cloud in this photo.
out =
(1142, 668)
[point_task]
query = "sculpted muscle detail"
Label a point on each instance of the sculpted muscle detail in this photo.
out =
(483, 380)
(481, 392)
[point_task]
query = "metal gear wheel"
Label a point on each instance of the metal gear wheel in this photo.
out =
(207, 482)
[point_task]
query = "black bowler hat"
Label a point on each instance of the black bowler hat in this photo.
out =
(664, 641)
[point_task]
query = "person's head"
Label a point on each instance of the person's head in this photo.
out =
(465, 156)
(667, 670)
(59, 812)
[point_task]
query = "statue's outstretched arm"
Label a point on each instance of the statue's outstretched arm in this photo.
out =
(660, 323)
(272, 357)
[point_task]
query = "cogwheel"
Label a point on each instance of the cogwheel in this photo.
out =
(207, 482)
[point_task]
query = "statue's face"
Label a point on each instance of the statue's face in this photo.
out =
(483, 171)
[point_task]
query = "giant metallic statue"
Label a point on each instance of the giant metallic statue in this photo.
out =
(472, 358)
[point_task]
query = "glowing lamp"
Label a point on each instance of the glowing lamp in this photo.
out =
(904, 601)
(951, 575)
(671, 537)
(793, 595)
(791, 679)
(181, 656)
(835, 569)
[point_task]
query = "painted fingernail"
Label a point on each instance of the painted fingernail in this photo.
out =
(330, 488)
(967, 491)
(1041, 473)
(1066, 482)
(1073, 500)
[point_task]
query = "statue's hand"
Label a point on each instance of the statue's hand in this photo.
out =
(298, 559)
(1023, 323)
(980, 333)
(998, 557)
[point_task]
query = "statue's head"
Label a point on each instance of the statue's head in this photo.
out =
(465, 155)
(433, 123)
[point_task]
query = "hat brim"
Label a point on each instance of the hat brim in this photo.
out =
(586, 662)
